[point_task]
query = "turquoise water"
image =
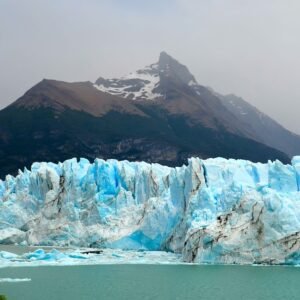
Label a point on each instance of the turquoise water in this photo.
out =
(143, 282)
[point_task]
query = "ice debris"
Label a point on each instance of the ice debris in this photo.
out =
(13, 280)
(41, 257)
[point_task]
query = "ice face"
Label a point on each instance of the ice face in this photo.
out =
(210, 211)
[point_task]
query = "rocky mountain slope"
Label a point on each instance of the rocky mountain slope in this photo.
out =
(265, 129)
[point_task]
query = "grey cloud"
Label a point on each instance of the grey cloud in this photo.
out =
(250, 48)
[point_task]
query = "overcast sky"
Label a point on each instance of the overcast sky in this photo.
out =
(247, 47)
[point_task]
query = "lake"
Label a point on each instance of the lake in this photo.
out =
(137, 282)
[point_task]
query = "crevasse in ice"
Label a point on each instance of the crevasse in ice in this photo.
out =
(210, 211)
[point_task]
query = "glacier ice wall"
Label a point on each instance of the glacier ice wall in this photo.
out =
(211, 211)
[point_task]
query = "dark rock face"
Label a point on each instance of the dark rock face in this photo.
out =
(157, 114)
(171, 68)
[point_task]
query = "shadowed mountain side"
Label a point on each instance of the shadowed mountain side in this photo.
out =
(265, 129)
(44, 135)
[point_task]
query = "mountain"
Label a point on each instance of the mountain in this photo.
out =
(265, 129)
(79, 96)
(172, 87)
(150, 83)
(157, 114)
(209, 211)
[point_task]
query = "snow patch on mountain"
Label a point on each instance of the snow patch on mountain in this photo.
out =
(139, 85)
(150, 82)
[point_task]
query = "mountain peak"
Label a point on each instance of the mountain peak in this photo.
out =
(173, 68)
(146, 83)
(166, 59)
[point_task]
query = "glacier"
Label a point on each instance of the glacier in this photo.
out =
(214, 211)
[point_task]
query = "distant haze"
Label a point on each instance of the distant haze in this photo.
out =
(249, 48)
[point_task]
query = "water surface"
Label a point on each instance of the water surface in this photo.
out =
(137, 282)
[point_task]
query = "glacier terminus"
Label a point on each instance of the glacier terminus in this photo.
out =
(208, 211)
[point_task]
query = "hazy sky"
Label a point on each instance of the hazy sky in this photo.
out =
(247, 47)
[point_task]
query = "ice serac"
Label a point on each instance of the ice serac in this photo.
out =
(210, 211)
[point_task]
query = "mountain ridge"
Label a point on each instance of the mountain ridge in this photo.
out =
(266, 129)
(77, 96)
